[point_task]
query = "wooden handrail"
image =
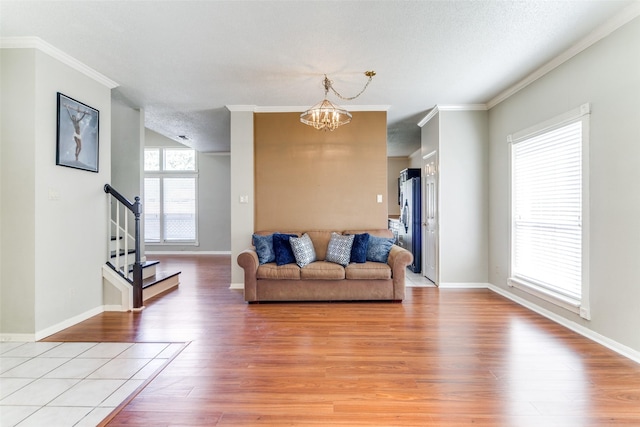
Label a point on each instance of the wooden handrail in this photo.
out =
(135, 208)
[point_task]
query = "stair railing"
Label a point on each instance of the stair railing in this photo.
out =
(136, 210)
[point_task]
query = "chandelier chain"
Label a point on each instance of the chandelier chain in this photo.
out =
(328, 84)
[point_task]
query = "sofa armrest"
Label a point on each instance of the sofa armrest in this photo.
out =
(248, 260)
(399, 260)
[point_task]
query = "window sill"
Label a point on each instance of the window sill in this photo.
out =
(563, 301)
(176, 243)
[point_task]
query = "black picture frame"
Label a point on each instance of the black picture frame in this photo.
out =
(78, 132)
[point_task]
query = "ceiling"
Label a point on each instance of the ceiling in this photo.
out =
(185, 61)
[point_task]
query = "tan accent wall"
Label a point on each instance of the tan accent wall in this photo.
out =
(309, 179)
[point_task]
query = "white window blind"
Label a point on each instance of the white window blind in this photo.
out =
(170, 196)
(547, 211)
(179, 209)
(151, 209)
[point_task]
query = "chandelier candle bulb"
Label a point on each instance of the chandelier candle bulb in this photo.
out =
(328, 116)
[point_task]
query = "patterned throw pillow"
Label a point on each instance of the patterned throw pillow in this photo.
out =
(264, 248)
(359, 248)
(379, 248)
(282, 248)
(339, 249)
(303, 250)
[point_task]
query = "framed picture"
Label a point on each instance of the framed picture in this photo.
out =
(78, 129)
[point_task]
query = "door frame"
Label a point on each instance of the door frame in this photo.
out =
(426, 159)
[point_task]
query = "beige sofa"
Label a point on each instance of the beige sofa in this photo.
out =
(322, 280)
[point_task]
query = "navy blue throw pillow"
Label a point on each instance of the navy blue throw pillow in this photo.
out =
(282, 248)
(379, 248)
(264, 248)
(359, 248)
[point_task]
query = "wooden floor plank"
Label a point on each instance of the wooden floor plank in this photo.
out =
(450, 357)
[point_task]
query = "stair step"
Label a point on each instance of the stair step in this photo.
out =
(159, 277)
(130, 251)
(148, 268)
(160, 283)
(150, 263)
(145, 264)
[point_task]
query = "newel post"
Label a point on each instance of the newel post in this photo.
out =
(137, 265)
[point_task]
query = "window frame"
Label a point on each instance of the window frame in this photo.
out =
(581, 306)
(161, 174)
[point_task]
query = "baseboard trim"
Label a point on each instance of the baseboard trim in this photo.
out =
(619, 348)
(237, 286)
(68, 323)
(463, 285)
(188, 252)
(52, 329)
(17, 337)
(114, 307)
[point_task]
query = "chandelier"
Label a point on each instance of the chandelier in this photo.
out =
(325, 114)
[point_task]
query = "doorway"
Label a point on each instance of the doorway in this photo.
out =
(430, 217)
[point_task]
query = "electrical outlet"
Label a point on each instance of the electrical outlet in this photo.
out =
(379, 198)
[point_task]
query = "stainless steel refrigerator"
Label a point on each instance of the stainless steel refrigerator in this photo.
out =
(410, 235)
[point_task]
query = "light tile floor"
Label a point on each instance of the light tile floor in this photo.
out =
(417, 280)
(57, 384)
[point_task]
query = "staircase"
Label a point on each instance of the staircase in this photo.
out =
(128, 281)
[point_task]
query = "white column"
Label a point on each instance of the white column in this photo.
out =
(242, 186)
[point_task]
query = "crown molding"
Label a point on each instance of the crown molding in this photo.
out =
(54, 52)
(625, 16)
(241, 108)
(463, 107)
(298, 109)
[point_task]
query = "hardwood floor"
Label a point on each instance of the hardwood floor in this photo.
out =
(441, 358)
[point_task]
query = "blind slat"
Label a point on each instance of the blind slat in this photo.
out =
(547, 210)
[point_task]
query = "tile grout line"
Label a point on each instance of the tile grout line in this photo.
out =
(145, 380)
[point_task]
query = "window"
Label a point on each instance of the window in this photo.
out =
(170, 188)
(549, 241)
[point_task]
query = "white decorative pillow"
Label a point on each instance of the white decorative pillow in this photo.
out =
(303, 250)
(339, 249)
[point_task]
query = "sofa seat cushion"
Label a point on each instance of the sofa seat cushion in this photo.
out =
(322, 270)
(273, 271)
(367, 271)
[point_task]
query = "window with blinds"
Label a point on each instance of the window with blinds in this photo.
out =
(170, 211)
(547, 230)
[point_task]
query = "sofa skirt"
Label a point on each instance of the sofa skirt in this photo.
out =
(324, 290)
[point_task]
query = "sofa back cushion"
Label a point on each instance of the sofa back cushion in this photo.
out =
(320, 239)
(379, 232)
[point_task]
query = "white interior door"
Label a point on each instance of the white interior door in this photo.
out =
(430, 218)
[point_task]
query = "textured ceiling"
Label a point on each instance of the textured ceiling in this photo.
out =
(184, 61)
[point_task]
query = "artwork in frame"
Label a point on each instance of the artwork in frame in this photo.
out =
(78, 132)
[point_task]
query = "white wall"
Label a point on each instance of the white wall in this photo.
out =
(242, 184)
(214, 212)
(54, 245)
(17, 215)
(463, 195)
(394, 166)
(461, 140)
(607, 75)
(127, 132)
(127, 148)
